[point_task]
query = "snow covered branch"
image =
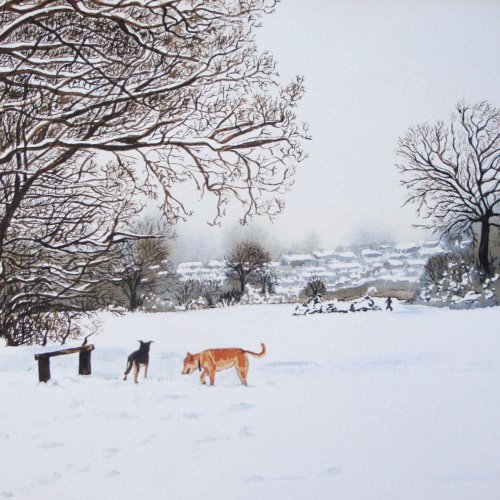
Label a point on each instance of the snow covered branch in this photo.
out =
(173, 91)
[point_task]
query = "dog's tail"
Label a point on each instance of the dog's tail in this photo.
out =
(260, 354)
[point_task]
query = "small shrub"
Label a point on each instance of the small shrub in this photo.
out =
(314, 286)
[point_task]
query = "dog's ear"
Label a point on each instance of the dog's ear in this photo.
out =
(189, 355)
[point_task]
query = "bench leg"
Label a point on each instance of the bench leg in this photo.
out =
(44, 370)
(84, 366)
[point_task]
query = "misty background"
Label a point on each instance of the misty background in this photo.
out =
(371, 70)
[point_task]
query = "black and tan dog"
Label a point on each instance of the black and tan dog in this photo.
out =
(138, 358)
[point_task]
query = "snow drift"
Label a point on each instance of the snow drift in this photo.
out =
(391, 405)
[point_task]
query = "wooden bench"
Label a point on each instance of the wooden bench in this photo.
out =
(84, 366)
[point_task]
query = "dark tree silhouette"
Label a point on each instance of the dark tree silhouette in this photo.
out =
(210, 289)
(452, 173)
(186, 291)
(243, 260)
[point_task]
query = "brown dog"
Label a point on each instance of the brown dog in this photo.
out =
(214, 360)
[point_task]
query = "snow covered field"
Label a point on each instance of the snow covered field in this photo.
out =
(375, 405)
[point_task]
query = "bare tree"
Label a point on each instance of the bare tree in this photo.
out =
(243, 260)
(452, 173)
(186, 291)
(314, 286)
(56, 249)
(209, 289)
(169, 92)
(267, 278)
(141, 266)
(174, 86)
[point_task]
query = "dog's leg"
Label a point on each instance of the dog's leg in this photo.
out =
(211, 368)
(146, 370)
(136, 372)
(203, 375)
(242, 368)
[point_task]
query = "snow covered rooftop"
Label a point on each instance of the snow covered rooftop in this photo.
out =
(427, 251)
(337, 266)
(324, 254)
(416, 262)
(397, 256)
(395, 263)
(190, 265)
(430, 244)
(216, 264)
(369, 253)
(345, 255)
(296, 258)
(407, 247)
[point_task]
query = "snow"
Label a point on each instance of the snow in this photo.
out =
(370, 254)
(297, 259)
(323, 254)
(344, 266)
(379, 405)
(407, 247)
(429, 251)
(216, 264)
(346, 255)
(430, 243)
(189, 265)
(395, 262)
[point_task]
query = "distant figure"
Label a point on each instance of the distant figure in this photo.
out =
(388, 304)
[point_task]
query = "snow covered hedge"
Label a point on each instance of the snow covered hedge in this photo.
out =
(453, 280)
(316, 305)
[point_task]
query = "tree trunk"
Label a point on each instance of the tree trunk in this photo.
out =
(134, 303)
(484, 244)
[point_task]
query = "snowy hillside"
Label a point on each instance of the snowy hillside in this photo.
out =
(372, 405)
(349, 267)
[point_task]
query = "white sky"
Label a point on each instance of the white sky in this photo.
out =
(372, 69)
